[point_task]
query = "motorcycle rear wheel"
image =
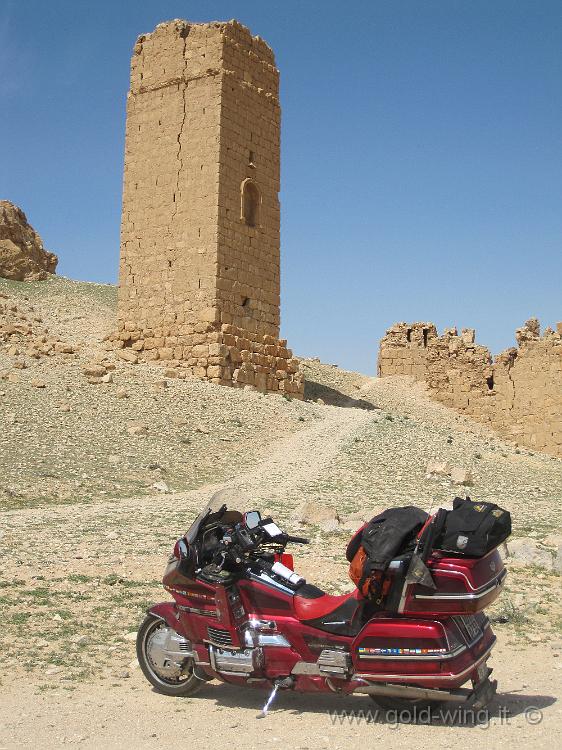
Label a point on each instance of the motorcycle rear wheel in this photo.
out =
(186, 683)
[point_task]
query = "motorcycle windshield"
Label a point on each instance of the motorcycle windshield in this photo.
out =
(213, 511)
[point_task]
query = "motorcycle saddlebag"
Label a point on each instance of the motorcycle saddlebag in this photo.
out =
(463, 586)
(371, 549)
(471, 529)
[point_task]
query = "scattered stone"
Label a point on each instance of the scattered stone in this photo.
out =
(462, 476)
(320, 401)
(525, 551)
(438, 469)
(128, 355)
(94, 370)
(122, 393)
(65, 407)
(53, 670)
(161, 487)
(354, 521)
(107, 378)
(316, 514)
(122, 674)
(37, 383)
(13, 377)
(137, 428)
(62, 348)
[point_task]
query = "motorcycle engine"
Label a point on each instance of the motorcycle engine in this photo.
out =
(239, 663)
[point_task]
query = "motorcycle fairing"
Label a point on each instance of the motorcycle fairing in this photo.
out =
(166, 611)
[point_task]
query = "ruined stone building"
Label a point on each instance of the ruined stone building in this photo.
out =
(199, 284)
(519, 394)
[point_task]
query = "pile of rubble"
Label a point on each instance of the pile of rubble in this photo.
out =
(23, 336)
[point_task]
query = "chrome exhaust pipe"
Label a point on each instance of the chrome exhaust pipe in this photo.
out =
(414, 693)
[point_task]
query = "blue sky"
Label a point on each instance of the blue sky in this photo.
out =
(421, 154)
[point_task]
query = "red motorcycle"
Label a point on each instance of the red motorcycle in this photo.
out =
(243, 616)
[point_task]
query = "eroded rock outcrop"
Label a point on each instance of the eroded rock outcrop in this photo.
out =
(22, 255)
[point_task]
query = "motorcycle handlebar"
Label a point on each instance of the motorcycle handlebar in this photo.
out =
(297, 539)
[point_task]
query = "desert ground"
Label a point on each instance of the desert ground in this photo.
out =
(99, 479)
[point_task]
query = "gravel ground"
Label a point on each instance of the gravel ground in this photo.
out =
(84, 533)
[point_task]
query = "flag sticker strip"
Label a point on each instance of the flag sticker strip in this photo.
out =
(363, 651)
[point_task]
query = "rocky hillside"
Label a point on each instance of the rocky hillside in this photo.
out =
(22, 255)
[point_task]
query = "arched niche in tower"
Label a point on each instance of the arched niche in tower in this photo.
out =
(250, 203)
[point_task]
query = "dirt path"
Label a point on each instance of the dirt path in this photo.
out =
(283, 466)
(304, 456)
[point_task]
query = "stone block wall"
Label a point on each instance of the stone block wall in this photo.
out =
(404, 348)
(199, 283)
(519, 394)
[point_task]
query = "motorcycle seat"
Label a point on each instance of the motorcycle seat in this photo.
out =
(340, 615)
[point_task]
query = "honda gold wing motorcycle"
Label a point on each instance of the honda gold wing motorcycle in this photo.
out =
(243, 616)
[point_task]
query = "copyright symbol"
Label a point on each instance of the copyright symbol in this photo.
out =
(533, 715)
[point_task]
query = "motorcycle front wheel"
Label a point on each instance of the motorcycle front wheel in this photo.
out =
(167, 679)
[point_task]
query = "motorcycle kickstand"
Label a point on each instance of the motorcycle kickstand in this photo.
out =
(284, 683)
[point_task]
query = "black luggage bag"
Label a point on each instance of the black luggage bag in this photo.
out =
(471, 529)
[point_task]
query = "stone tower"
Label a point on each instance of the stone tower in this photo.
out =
(200, 254)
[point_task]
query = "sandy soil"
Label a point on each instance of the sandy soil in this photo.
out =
(131, 715)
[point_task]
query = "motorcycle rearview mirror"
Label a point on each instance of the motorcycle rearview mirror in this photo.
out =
(252, 519)
(182, 549)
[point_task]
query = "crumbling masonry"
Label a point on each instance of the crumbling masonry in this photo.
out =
(199, 284)
(519, 394)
